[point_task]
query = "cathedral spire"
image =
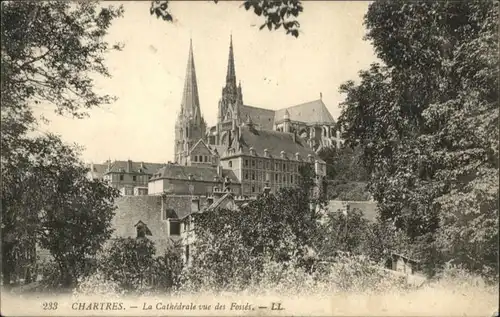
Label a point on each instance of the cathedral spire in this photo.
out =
(190, 105)
(231, 74)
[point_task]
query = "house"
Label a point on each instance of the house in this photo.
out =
(403, 264)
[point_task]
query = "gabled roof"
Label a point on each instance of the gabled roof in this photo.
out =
(199, 143)
(274, 142)
(137, 167)
(97, 170)
(197, 173)
(309, 112)
(264, 118)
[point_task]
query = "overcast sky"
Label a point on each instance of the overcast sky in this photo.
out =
(276, 71)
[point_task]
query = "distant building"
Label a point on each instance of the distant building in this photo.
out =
(251, 146)
(131, 178)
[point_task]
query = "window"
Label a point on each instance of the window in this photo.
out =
(284, 167)
(276, 177)
(246, 163)
(134, 178)
(253, 163)
(291, 179)
(253, 176)
(253, 189)
(230, 163)
(246, 175)
(121, 177)
(175, 228)
(201, 158)
(187, 253)
(196, 158)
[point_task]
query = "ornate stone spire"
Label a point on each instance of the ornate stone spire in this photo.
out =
(190, 105)
(231, 73)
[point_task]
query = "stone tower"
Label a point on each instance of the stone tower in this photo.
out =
(190, 125)
(231, 99)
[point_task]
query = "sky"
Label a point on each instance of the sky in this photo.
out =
(276, 71)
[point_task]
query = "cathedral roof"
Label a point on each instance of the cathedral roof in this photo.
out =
(274, 142)
(263, 118)
(190, 104)
(197, 173)
(309, 112)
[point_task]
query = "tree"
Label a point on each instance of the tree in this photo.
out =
(427, 123)
(129, 262)
(50, 200)
(275, 13)
(49, 52)
(344, 163)
(232, 245)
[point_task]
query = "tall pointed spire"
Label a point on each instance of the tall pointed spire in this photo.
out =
(190, 105)
(231, 73)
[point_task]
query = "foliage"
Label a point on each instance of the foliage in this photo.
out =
(133, 266)
(49, 52)
(344, 164)
(97, 284)
(347, 191)
(344, 232)
(49, 200)
(230, 244)
(427, 122)
(128, 262)
(275, 13)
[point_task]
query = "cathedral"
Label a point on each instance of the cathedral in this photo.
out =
(248, 151)
(249, 148)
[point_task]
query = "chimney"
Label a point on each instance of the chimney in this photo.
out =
(252, 151)
(129, 166)
(283, 154)
(266, 152)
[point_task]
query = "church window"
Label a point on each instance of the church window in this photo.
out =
(230, 164)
